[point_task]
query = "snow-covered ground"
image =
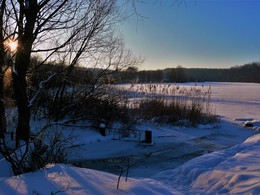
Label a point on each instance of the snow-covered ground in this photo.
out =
(235, 170)
(236, 100)
(208, 159)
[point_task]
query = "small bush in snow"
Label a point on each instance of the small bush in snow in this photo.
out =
(48, 146)
(171, 104)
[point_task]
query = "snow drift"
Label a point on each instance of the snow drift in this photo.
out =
(233, 171)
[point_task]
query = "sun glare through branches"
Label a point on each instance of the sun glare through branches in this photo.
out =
(11, 45)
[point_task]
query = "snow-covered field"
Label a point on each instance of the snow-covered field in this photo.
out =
(222, 159)
(236, 100)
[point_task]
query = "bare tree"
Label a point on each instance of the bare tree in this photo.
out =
(69, 31)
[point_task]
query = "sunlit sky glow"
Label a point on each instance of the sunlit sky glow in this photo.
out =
(205, 33)
(12, 45)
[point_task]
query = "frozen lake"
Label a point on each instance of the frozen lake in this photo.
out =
(230, 100)
(234, 100)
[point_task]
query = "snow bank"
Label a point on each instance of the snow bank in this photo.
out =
(233, 171)
(5, 169)
(64, 179)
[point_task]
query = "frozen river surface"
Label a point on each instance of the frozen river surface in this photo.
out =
(230, 100)
(235, 100)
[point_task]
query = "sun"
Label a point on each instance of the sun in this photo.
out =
(12, 45)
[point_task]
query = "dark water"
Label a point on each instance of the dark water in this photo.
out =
(151, 162)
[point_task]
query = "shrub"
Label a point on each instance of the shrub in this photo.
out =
(172, 104)
(48, 146)
(82, 102)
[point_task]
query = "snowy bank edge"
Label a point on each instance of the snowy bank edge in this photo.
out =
(213, 173)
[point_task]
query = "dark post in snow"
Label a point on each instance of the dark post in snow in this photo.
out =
(148, 136)
(102, 129)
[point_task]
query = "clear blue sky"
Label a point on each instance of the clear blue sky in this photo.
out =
(205, 33)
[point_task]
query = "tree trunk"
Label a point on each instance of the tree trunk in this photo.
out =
(20, 86)
(22, 61)
(23, 126)
(19, 70)
(2, 106)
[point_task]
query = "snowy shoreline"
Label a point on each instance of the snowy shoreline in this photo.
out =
(235, 170)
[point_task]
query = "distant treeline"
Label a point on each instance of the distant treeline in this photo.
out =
(244, 73)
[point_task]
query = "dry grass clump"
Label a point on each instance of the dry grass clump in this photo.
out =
(174, 104)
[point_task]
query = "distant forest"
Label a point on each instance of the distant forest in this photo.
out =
(244, 73)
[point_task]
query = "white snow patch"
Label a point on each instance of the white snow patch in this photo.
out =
(71, 180)
(233, 171)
